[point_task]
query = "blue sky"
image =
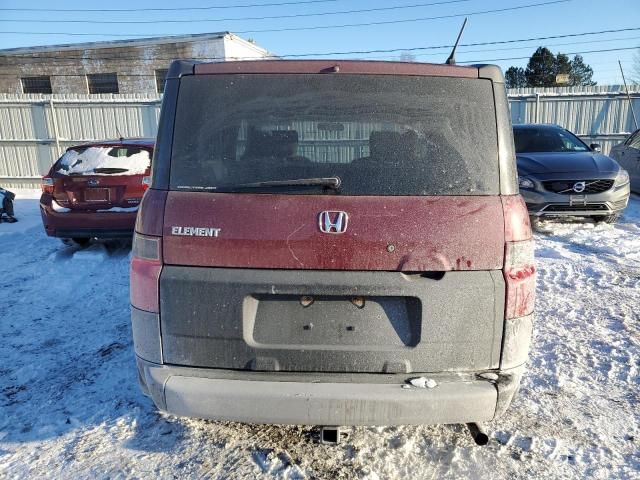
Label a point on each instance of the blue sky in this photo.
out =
(552, 19)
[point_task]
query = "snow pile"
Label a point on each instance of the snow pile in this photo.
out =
(92, 158)
(422, 382)
(70, 406)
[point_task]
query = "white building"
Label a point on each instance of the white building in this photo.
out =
(121, 66)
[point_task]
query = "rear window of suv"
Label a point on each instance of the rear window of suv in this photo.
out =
(380, 134)
(105, 160)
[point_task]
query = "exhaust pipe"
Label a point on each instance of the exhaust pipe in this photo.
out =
(478, 434)
(330, 435)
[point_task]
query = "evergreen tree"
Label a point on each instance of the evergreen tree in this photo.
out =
(581, 73)
(563, 64)
(563, 67)
(515, 77)
(541, 69)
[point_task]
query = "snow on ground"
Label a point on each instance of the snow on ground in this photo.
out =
(70, 406)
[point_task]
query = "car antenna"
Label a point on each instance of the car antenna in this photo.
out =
(120, 137)
(452, 58)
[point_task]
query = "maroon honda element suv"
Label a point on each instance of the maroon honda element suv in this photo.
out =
(333, 243)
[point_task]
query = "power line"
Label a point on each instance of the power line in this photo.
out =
(475, 44)
(532, 56)
(324, 27)
(30, 56)
(465, 61)
(209, 20)
(531, 46)
(157, 9)
(122, 62)
(94, 34)
(408, 20)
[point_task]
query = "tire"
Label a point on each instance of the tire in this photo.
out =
(76, 241)
(534, 221)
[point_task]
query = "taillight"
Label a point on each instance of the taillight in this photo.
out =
(146, 181)
(47, 185)
(519, 263)
(520, 277)
(146, 266)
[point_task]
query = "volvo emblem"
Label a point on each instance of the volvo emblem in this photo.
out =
(579, 187)
(92, 182)
(333, 221)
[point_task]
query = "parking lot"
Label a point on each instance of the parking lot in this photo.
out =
(70, 404)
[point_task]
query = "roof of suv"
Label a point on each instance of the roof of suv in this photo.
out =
(336, 66)
(551, 126)
(369, 67)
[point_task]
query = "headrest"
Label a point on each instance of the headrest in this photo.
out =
(276, 143)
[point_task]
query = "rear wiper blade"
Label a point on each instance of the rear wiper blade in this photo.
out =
(331, 182)
(110, 170)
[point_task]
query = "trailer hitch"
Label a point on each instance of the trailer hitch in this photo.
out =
(330, 435)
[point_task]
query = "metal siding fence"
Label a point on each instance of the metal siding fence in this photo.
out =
(599, 114)
(36, 129)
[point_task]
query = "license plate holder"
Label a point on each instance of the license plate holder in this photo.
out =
(578, 200)
(96, 195)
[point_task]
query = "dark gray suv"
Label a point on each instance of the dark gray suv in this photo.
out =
(560, 175)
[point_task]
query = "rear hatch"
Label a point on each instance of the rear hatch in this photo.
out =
(333, 223)
(98, 177)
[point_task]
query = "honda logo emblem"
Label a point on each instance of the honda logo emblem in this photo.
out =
(333, 221)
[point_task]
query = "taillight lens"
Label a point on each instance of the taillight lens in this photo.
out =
(516, 219)
(520, 278)
(146, 266)
(146, 181)
(47, 185)
(519, 264)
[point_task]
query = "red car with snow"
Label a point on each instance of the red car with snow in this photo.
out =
(94, 189)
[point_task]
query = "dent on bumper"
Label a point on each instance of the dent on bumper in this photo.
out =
(330, 399)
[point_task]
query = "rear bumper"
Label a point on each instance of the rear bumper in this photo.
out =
(86, 223)
(325, 399)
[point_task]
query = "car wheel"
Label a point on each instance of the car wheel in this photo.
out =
(76, 241)
(535, 223)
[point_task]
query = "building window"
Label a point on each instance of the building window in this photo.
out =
(103, 82)
(36, 84)
(161, 77)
